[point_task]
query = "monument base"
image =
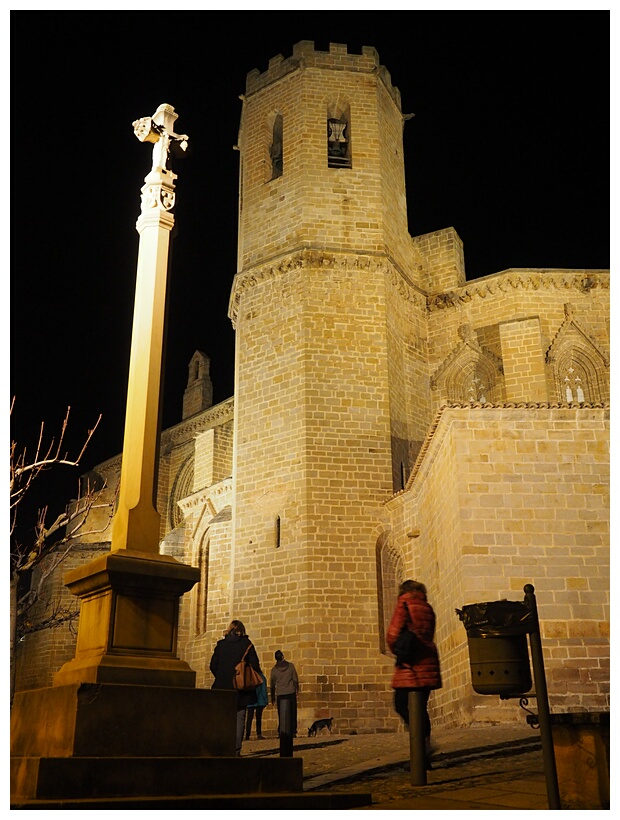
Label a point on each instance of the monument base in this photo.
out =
(95, 746)
(103, 720)
(129, 616)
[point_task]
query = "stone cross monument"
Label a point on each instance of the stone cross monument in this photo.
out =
(130, 597)
(136, 525)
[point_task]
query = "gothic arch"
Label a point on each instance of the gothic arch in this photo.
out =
(471, 373)
(274, 141)
(390, 574)
(198, 367)
(181, 488)
(199, 592)
(580, 371)
(339, 132)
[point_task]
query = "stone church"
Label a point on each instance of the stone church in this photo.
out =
(390, 420)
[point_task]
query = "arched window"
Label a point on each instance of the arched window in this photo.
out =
(338, 135)
(573, 386)
(390, 575)
(580, 369)
(477, 390)
(470, 373)
(181, 488)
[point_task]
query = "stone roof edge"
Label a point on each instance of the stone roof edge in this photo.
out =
(435, 435)
(184, 431)
(321, 258)
(205, 420)
(526, 278)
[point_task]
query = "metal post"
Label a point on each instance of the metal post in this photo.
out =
(542, 699)
(417, 740)
(285, 718)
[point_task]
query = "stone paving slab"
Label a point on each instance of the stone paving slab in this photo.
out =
(333, 757)
(377, 763)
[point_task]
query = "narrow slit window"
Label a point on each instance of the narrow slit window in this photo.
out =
(275, 149)
(277, 531)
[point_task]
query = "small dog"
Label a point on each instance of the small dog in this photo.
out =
(325, 723)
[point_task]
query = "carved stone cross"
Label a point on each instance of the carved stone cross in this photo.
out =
(159, 129)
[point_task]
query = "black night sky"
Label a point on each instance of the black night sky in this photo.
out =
(509, 145)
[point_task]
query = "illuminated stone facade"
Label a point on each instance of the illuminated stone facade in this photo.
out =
(390, 420)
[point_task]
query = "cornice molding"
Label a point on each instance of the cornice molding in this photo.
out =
(205, 504)
(526, 278)
(191, 427)
(307, 258)
(497, 283)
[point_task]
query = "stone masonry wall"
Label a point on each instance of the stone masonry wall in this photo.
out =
(443, 263)
(530, 491)
(313, 447)
(408, 373)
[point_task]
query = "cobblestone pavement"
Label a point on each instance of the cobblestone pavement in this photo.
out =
(473, 782)
(474, 767)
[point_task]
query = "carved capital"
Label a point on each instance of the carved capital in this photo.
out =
(157, 196)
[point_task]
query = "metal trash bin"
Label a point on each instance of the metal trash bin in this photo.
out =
(498, 653)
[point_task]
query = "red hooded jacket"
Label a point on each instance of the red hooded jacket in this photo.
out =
(425, 672)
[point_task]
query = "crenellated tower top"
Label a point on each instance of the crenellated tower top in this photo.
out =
(337, 58)
(321, 158)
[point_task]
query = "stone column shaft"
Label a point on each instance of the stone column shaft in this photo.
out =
(136, 524)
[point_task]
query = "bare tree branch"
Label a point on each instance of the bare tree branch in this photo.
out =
(23, 470)
(51, 544)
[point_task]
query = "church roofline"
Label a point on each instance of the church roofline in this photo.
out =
(188, 428)
(583, 280)
(438, 429)
(184, 431)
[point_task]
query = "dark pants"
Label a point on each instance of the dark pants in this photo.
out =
(293, 700)
(259, 720)
(401, 706)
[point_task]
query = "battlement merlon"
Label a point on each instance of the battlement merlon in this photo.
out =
(337, 58)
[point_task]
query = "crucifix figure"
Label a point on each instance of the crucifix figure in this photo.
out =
(158, 129)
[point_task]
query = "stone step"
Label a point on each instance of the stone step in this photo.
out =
(284, 800)
(85, 778)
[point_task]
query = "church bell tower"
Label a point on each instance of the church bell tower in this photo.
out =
(320, 419)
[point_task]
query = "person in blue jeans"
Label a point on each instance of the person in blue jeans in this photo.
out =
(258, 708)
(284, 685)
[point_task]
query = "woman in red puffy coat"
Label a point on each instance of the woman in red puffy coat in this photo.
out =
(423, 674)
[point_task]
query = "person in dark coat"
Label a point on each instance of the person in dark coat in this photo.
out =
(423, 674)
(226, 655)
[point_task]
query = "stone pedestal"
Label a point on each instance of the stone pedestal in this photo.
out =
(104, 720)
(129, 620)
(108, 741)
